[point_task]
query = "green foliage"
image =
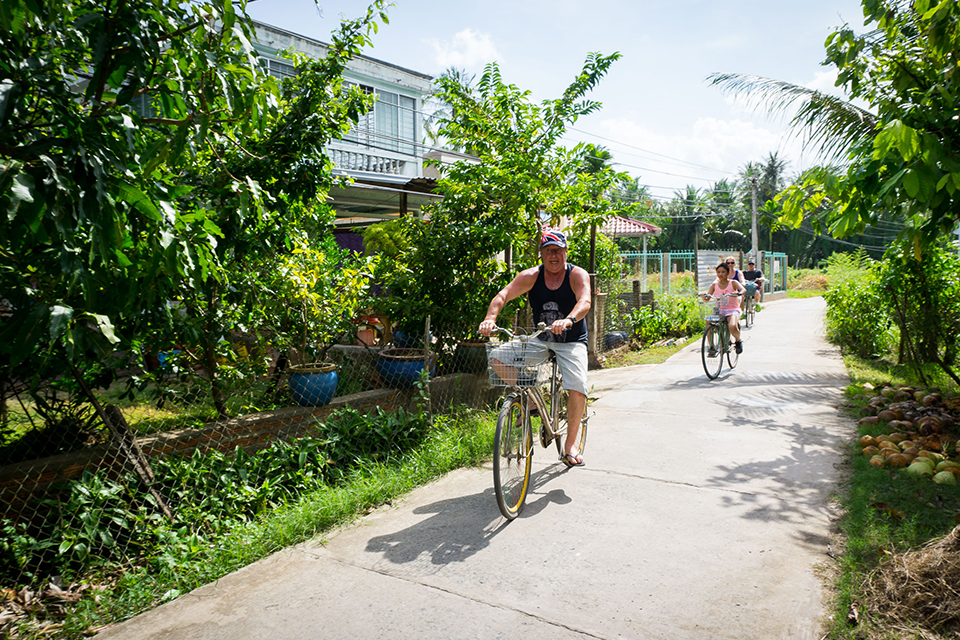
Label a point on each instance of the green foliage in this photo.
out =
(609, 265)
(857, 318)
(842, 268)
(491, 206)
(906, 161)
(674, 317)
(319, 290)
(96, 519)
(161, 223)
(352, 437)
(522, 170)
(923, 298)
(68, 425)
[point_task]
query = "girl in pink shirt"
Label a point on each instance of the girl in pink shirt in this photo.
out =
(730, 308)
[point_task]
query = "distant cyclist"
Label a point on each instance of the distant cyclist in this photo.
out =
(730, 308)
(754, 280)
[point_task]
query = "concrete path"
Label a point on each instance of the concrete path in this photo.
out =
(701, 514)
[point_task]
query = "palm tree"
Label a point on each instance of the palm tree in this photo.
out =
(831, 124)
(436, 110)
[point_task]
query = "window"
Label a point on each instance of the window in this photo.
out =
(279, 69)
(390, 126)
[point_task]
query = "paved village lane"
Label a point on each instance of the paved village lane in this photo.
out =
(701, 514)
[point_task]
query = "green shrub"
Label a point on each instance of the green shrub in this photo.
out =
(849, 267)
(923, 298)
(674, 317)
(857, 319)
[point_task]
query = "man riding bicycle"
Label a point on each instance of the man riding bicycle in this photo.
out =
(559, 295)
(754, 281)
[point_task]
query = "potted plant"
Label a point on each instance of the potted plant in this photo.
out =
(324, 289)
(401, 368)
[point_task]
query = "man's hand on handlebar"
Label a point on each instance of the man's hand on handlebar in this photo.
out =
(487, 327)
(559, 326)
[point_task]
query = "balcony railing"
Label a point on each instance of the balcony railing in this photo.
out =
(359, 161)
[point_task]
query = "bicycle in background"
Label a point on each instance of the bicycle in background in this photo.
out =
(535, 402)
(750, 302)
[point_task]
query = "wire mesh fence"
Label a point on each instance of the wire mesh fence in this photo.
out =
(87, 484)
(634, 313)
(185, 444)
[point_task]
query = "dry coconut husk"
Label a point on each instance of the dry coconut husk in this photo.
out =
(920, 587)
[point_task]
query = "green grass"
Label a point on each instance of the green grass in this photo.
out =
(651, 355)
(463, 439)
(799, 293)
(885, 511)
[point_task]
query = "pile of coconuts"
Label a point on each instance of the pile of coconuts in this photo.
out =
(920, 424)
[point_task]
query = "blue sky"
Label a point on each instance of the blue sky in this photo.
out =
(661, 119)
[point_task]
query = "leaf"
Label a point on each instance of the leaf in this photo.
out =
(21, 191)
(106, 327)
(60, 318)
(911, 183)
(138, 200)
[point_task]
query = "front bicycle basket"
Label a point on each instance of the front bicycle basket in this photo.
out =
(518, 363)
(710, 311)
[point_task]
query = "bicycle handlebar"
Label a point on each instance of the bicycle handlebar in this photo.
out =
(726, 295)
(541, 328)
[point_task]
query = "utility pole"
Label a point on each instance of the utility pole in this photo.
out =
(754, 247)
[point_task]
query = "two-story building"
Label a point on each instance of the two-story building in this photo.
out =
(384, 151)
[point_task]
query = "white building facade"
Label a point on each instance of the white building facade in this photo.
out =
(383, 152)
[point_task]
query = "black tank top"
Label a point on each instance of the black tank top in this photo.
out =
(551, 305)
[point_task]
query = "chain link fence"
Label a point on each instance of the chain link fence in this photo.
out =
(86, 483)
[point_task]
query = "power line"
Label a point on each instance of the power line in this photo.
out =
(654, 153)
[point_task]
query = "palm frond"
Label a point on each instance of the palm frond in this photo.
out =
(829, 123)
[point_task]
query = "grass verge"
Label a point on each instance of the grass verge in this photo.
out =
(886, 512)
(650, 355)
(455, 441)
(801, 293)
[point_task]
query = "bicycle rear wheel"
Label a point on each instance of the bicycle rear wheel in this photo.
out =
(512, 457)
(711, 351)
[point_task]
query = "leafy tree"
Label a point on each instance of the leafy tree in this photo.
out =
(495, 203)
(902, 152)
(522, 170)
(113, 212)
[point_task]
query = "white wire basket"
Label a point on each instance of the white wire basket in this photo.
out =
(710, 311)
(518, 363)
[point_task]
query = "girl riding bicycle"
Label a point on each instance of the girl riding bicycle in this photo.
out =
(730, 308)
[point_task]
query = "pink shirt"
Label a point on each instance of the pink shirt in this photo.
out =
(732, 303)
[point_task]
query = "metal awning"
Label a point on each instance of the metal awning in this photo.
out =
(372, 199)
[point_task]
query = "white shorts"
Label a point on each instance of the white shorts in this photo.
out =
(572, 358)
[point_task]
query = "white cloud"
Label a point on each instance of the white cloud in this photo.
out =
(825, 82)
(468, 49)
(710, 150)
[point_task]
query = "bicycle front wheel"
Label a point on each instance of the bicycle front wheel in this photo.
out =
(512, 457)
(711, 351)
(750, 312)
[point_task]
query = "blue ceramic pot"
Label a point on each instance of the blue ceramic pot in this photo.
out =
(615, 339)
(400, 368)
(404, 340)
(313, 385)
